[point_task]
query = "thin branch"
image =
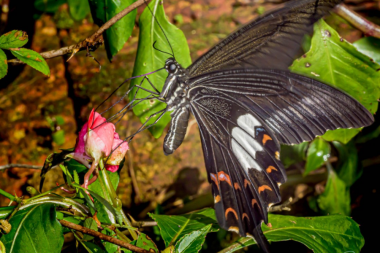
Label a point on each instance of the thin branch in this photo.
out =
(104, 237)
(141, 224)
(93, 41)
(283, 207)
(358, 21)
(16, 165)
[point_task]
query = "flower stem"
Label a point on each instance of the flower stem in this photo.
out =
(115, 200)
(43, 194)
(7, 195)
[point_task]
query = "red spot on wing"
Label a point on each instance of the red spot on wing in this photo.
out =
(264, 187)
(266, 138)
(246, 182)
(222, 176)
(245, 216)
(214, 179)
(230, 209)
(237, 186)
(217, 199)
(270, 168)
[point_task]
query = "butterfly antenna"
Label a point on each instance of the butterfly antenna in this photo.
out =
(160, 50)
(172, 54)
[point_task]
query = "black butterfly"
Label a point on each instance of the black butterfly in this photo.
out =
(246, 103)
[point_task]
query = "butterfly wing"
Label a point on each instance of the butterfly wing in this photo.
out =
(243, 115)
(243, 165)
(272, 41)
(296, 108)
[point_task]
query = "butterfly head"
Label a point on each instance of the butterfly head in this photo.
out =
(175, 71)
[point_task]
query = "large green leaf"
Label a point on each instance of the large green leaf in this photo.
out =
(3, 64)
(13, 39)
(369, 46)
(293, 153)
(148, 59)
(144, 242)
(317, 154)
(79, 9)
(174, 227)
(115, 36)
(34, 230)
(192, 243)
(348, 168)
(48, 5)
(336, 197)
(33, 59)
(325, 234)
(334, 61)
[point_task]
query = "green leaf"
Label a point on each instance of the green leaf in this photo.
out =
(106, 212)
(3, 64)
(34, 230)
(192, 243)
(174, 227)
(325, 234)
(115, 36)
(91, 224)
(5, 211)
(13, 39)
(75, 165)
(317, 154)
(336, 62)
(144, 242)
(336, 197)
(93, 248)
(369, 46)
(291, 154)
(78, 9)
(88, 200)
(59, 137)
(110, 247)
(348, 168)
(48, 5)
(148, 59)
(33, 59)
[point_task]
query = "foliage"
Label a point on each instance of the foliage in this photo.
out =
(333, 233)
(13, 41)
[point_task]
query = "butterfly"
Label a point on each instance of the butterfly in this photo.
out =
(246, 104)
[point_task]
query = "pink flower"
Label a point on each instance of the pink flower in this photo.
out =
(96, 140)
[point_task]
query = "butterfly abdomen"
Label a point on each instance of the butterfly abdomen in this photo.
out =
(177, 130)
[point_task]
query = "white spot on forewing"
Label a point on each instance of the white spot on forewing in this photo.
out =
(248, 123)
(245, 160)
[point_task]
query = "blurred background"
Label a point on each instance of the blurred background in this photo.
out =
(40, 115)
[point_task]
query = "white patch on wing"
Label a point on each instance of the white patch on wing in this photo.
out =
(245, 159)
(248, 123)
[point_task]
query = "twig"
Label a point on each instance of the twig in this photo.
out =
(141, 224)
(358, 21)
(92, 41)
(104, 237)
(16, 165)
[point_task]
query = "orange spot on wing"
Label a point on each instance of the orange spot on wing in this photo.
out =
(217, 199)
(222, 176)
(254, 202)
(264, 187)
(235, 229)
(266, 138)
(230, 209)
(277, 155)
(245, 215)
(237, 186)
(270, 168)
(214, 179)
(246, 182)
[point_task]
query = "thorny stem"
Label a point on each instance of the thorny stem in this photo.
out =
(358, 21)
(92, 41)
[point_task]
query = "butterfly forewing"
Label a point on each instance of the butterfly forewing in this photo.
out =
(273, 41)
